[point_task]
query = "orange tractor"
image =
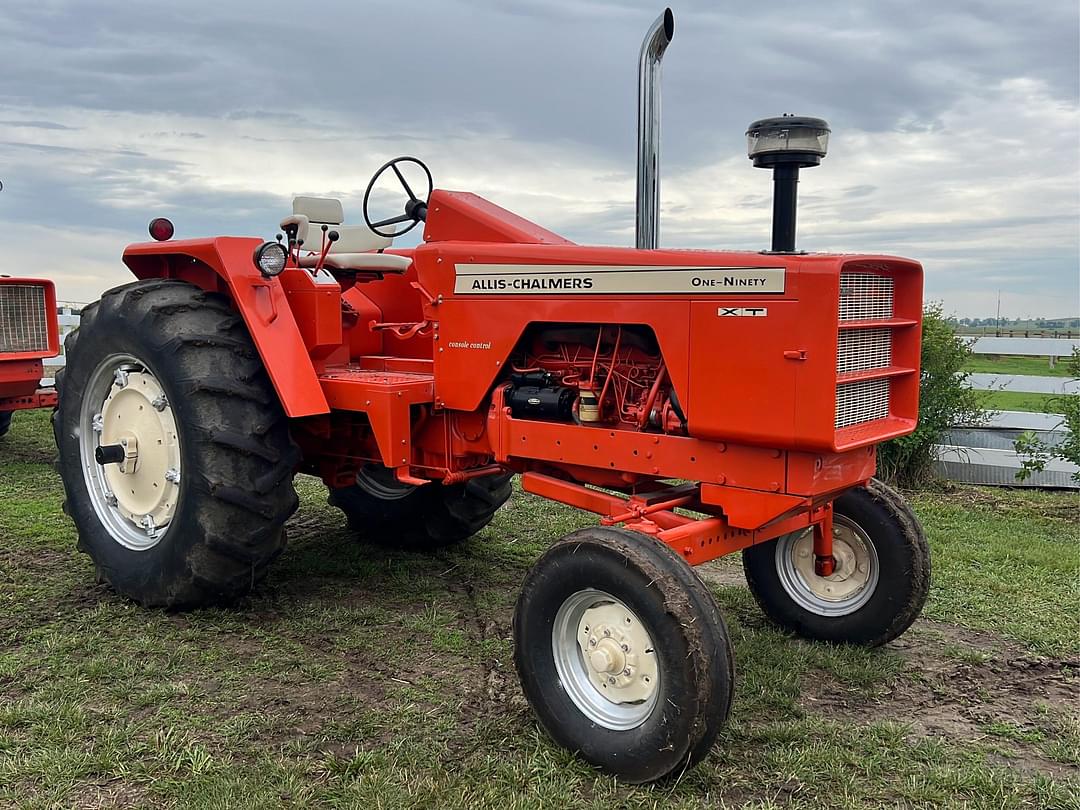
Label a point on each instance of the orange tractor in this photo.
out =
(699, 402)
(28, 334)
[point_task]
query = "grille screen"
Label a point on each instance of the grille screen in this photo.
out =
(862, 349)
(864, 296)
(862, 401)
(23, 322)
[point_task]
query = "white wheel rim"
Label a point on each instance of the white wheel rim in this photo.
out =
(605, 659)
(136, 500)
(848, 588)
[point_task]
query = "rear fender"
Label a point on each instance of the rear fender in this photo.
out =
(224, 264)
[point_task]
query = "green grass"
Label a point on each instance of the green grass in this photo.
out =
(1008, 364)
(1018, 401)
(356, 677)
(1006, 561)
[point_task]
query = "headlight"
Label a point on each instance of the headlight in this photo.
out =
(270, 258)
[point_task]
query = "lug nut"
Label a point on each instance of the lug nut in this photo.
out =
(160, 403)
(173, 476)
(120, 378)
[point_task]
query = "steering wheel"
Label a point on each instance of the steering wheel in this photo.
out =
(415, 207)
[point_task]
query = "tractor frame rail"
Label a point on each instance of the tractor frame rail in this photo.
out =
(696, 539)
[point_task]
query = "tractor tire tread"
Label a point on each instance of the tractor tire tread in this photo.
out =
(877, 622)
(433, 516)
(239, 493)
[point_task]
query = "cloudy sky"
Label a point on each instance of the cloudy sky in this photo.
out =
(956, 135)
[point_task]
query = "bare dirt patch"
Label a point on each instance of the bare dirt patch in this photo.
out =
(725, 572)
(958, 684)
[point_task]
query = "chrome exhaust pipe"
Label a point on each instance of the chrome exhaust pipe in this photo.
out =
(655, 43)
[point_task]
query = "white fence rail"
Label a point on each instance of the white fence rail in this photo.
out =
(69, 321)
(1025, 347)
(985, 454)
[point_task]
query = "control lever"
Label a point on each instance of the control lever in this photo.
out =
(330, 238)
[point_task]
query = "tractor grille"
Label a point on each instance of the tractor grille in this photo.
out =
(863, 349)
(24, 325)
(861, 401)
(865, 297)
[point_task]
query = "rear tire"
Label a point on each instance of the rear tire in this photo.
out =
(423, 518)
(873, 527)
(652, 710)
(230, 463)
(5, 421)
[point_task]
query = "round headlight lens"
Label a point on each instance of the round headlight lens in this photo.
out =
(270, 258)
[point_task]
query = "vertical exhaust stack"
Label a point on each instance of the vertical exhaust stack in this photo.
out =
(785, 145)
(657, 38)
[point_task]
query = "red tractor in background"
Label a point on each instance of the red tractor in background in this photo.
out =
(28, 334)
(699, 402)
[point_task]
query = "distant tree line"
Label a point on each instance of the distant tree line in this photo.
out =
(1037, 323)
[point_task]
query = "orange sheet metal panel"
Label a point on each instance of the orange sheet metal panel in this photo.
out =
(19, 378)
(262, 303)
(487, 294)
(742, 383)
(643, 453)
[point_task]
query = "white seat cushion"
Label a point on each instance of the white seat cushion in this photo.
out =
(361, 262)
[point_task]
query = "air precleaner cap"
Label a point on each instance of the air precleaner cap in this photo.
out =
(793, 139)
(785, 145)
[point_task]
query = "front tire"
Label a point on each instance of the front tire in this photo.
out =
(419, 518)
(5, 422)
(623, 654)
(196, 514)
(882, 577)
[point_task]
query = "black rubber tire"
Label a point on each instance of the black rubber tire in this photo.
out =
(688, 631)
(423, 518)
(902, 587)
(5, 421)
(237, 458)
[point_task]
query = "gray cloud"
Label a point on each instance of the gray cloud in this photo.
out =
(120, 111)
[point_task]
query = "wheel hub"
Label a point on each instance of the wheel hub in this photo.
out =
(613, 645)
(605, 659)
(849, 586)
(137, 494)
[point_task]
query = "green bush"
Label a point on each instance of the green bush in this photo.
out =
(944, 401)
(1034, 452)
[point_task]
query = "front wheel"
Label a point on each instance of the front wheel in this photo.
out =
(881, 580)
(623, 654)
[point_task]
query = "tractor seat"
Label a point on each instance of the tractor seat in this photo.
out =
(356, 246)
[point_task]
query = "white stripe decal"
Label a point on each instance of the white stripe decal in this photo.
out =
(591, 279)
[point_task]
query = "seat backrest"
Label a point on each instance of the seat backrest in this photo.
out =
(321, 211)
(351, 238)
